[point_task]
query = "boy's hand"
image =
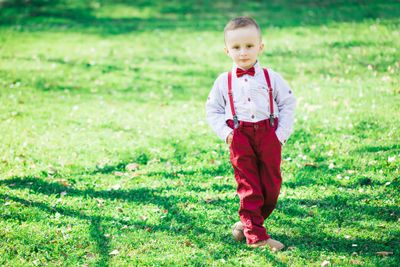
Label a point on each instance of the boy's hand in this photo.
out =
(229, 139)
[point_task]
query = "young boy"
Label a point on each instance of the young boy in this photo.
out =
(252, 110)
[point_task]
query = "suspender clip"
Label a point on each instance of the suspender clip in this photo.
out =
(271, 120)
(235, 122)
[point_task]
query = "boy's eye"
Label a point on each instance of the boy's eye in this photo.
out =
(236, 47)
(249, 46)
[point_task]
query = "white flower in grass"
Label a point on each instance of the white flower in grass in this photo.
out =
(391, 159)
(331, 166)
(304, 157)
(114, 252)
(116, 187)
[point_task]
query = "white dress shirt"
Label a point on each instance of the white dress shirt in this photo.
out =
(251, 102)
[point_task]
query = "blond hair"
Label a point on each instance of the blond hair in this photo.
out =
(241, 22)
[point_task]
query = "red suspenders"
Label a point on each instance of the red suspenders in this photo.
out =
(271, 102)
(235, 119)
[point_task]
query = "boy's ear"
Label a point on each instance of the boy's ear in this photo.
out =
(226, 51)
(261, 47)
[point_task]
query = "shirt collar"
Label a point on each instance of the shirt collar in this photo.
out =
(256, 66)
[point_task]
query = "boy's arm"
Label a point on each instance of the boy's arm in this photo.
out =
(215, 111)
(286, 102)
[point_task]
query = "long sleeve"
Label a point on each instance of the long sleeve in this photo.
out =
(215, 110)
(286, 102)
(251, 101)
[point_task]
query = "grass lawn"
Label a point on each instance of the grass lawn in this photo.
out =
(106, 157)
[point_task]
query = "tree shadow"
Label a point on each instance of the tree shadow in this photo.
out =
(378, 148)
(334, 205)
(331, 206)
(186, 222)
(313, 175)
(104, 16)
(341, 209)
(96, 232)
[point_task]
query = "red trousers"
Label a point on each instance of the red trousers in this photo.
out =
(255, 154)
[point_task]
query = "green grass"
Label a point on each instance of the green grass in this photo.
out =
(90, 87)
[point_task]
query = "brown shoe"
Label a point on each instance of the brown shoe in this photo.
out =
(274, 245)
(237, 231)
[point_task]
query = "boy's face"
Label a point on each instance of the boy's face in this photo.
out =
(243, 45)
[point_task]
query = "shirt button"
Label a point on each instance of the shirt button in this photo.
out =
(252, 116)
(245, 80)
(248, 99)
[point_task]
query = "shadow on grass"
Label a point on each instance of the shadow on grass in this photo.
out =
(378, 148)
(96, 232)
(342, 210)
(231, 247)
(186, 222)
(173, 172)
(118, 17)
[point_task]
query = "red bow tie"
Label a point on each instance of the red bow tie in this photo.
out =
(240, 72)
